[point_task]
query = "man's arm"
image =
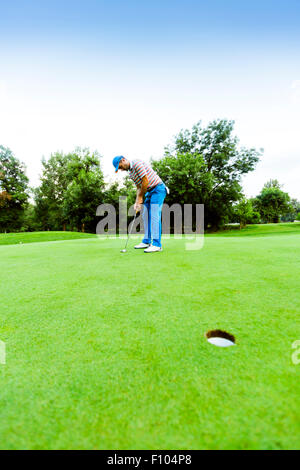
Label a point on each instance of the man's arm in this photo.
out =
(141, 190)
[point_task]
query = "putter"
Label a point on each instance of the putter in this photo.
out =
(124, 250)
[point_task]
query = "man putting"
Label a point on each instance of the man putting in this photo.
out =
(151, 192)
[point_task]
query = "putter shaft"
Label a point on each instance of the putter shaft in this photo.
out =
(129, 233)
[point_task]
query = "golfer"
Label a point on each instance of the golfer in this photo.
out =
(151, 192)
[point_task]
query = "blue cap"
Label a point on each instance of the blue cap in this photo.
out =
(116, 162)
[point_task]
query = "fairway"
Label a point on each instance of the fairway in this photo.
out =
(107, 350)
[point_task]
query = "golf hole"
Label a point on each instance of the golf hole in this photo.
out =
(220, 338)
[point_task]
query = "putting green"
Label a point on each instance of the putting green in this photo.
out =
(107, 350)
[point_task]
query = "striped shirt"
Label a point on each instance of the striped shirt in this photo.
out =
(139, 169)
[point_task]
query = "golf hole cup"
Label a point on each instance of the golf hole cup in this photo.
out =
(220, 338)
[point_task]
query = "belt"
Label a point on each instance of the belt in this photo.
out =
(149, 190)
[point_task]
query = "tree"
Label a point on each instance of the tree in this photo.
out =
(49, 195)
(205, 165)
(71, 188)
(29, 220)
(298, 216)
(83, 195)
(244, 213)
(272, 202)
(292, 214)
(14, 191)
(272, 184)
(114, 191)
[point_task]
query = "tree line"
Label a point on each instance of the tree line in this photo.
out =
(204, 165)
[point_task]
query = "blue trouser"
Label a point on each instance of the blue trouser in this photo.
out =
(153, 203)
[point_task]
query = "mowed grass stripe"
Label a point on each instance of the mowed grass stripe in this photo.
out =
(35, 237)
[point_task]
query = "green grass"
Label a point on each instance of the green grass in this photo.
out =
(230, 231)
(107, 350)
(259, 230)
(35, 237)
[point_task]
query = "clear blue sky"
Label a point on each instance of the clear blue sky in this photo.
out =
(125, 76)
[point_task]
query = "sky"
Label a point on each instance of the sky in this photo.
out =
(124, 77)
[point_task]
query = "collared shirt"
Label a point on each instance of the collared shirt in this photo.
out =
(138, 169)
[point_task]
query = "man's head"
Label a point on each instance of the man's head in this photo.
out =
(121, 163)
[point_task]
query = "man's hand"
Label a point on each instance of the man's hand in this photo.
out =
(138, 206)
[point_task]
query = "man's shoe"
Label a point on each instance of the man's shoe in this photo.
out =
(142, 245)
(153, 249)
